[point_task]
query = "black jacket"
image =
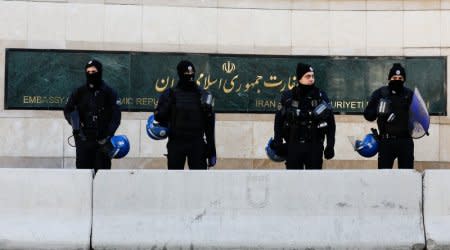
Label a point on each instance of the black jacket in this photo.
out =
(175, 110)
(284, 128)
(99, 110)
(399, 106)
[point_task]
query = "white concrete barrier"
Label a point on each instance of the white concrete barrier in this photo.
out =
(437, 208)
(45, 208)
(341, 209)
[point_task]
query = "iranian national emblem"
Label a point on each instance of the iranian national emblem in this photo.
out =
(228, 67)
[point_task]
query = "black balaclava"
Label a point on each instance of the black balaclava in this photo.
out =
(186, 73)
(301, 89)
(94, 81)
(396, 70)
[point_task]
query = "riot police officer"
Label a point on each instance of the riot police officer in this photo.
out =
(389, 105)
(303, 120)
(93, 110)
(187, 111)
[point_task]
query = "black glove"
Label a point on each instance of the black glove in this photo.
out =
(276, 144)
(375, 133)
(102, 141)
(211, 156)
(102, 138)
(106, 146)
(328, 153)
(107, 149)
(212, 160)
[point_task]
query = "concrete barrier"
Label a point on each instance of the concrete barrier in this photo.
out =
(45, 208)
(341, 209)
(437, 208)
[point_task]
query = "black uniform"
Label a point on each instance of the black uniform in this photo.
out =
(99, 112)
(395, 139)
(304, 132)
(183, 109)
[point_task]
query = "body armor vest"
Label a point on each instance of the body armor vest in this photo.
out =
(188, 118)
(94, 111)
(400, 107)
(300, 123)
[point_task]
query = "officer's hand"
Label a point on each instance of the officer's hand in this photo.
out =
(328, 153)
(212, 160)
(106, 148)
(375, 133)
(102, 141)
(276, 145)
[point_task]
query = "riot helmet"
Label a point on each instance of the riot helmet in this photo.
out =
(120, 146)
(155, 130)
(368, 147)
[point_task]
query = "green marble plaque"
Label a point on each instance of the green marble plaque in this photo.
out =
(43, 79)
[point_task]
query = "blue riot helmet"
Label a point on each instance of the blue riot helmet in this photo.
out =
(120, 146)
(278, 155)
(368, 147)
(155, 130)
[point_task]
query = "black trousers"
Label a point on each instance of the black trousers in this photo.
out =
(400, 148)
(304, 155)
(90, 156)
(194, 149)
